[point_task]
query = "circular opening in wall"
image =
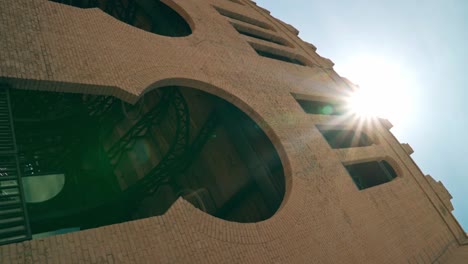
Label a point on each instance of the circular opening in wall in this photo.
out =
(220, 160)
(150, 15)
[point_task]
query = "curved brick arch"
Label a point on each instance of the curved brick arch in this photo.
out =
(245, 107)
(182, 12)
(287, 217)
(164, 18)
(288, 214)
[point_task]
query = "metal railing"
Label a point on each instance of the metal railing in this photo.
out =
(14, 223)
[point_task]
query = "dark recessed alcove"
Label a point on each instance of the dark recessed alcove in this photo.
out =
(88, 161)
(345, 138)
(370, 174)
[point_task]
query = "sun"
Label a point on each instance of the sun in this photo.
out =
(364, 104)
(384, 88)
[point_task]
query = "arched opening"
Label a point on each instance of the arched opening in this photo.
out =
(149, 15)
(232, 170)
(372, 173)
(101, 161)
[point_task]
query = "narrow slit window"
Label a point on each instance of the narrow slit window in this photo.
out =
(259, 35)
(242, 18)
(276, 56)
(236, 1)
(345, 138)
(370, 174)
(320, 107)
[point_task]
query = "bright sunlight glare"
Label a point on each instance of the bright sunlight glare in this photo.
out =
(384, 88)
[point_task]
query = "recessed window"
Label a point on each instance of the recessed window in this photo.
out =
(243, 18)
(370, 174)
(345, 138)
(320, 107)
(258, 34)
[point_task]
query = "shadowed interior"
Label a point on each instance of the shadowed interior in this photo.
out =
(370, 174)
(345, 138)
(106, 161)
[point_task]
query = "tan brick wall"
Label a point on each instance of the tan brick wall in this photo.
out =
(324, 218)
(458, 256)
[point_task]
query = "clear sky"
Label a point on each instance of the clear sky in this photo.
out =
(417, 49)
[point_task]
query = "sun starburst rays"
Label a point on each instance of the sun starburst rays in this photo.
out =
(384, 89)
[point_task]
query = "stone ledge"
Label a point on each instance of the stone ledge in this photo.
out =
(289, 27)
(386, 123)
(408, 149)
(441, 191)
(310, 45)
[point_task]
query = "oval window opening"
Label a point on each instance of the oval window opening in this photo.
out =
(149, 15)
(210, 153)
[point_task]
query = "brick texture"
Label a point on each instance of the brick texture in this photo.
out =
(324, 218)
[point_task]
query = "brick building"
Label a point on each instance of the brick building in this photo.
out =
(183, 131)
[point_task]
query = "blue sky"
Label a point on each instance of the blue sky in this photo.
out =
(428, 40)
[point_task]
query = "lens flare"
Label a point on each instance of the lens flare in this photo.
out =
(384, 88)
